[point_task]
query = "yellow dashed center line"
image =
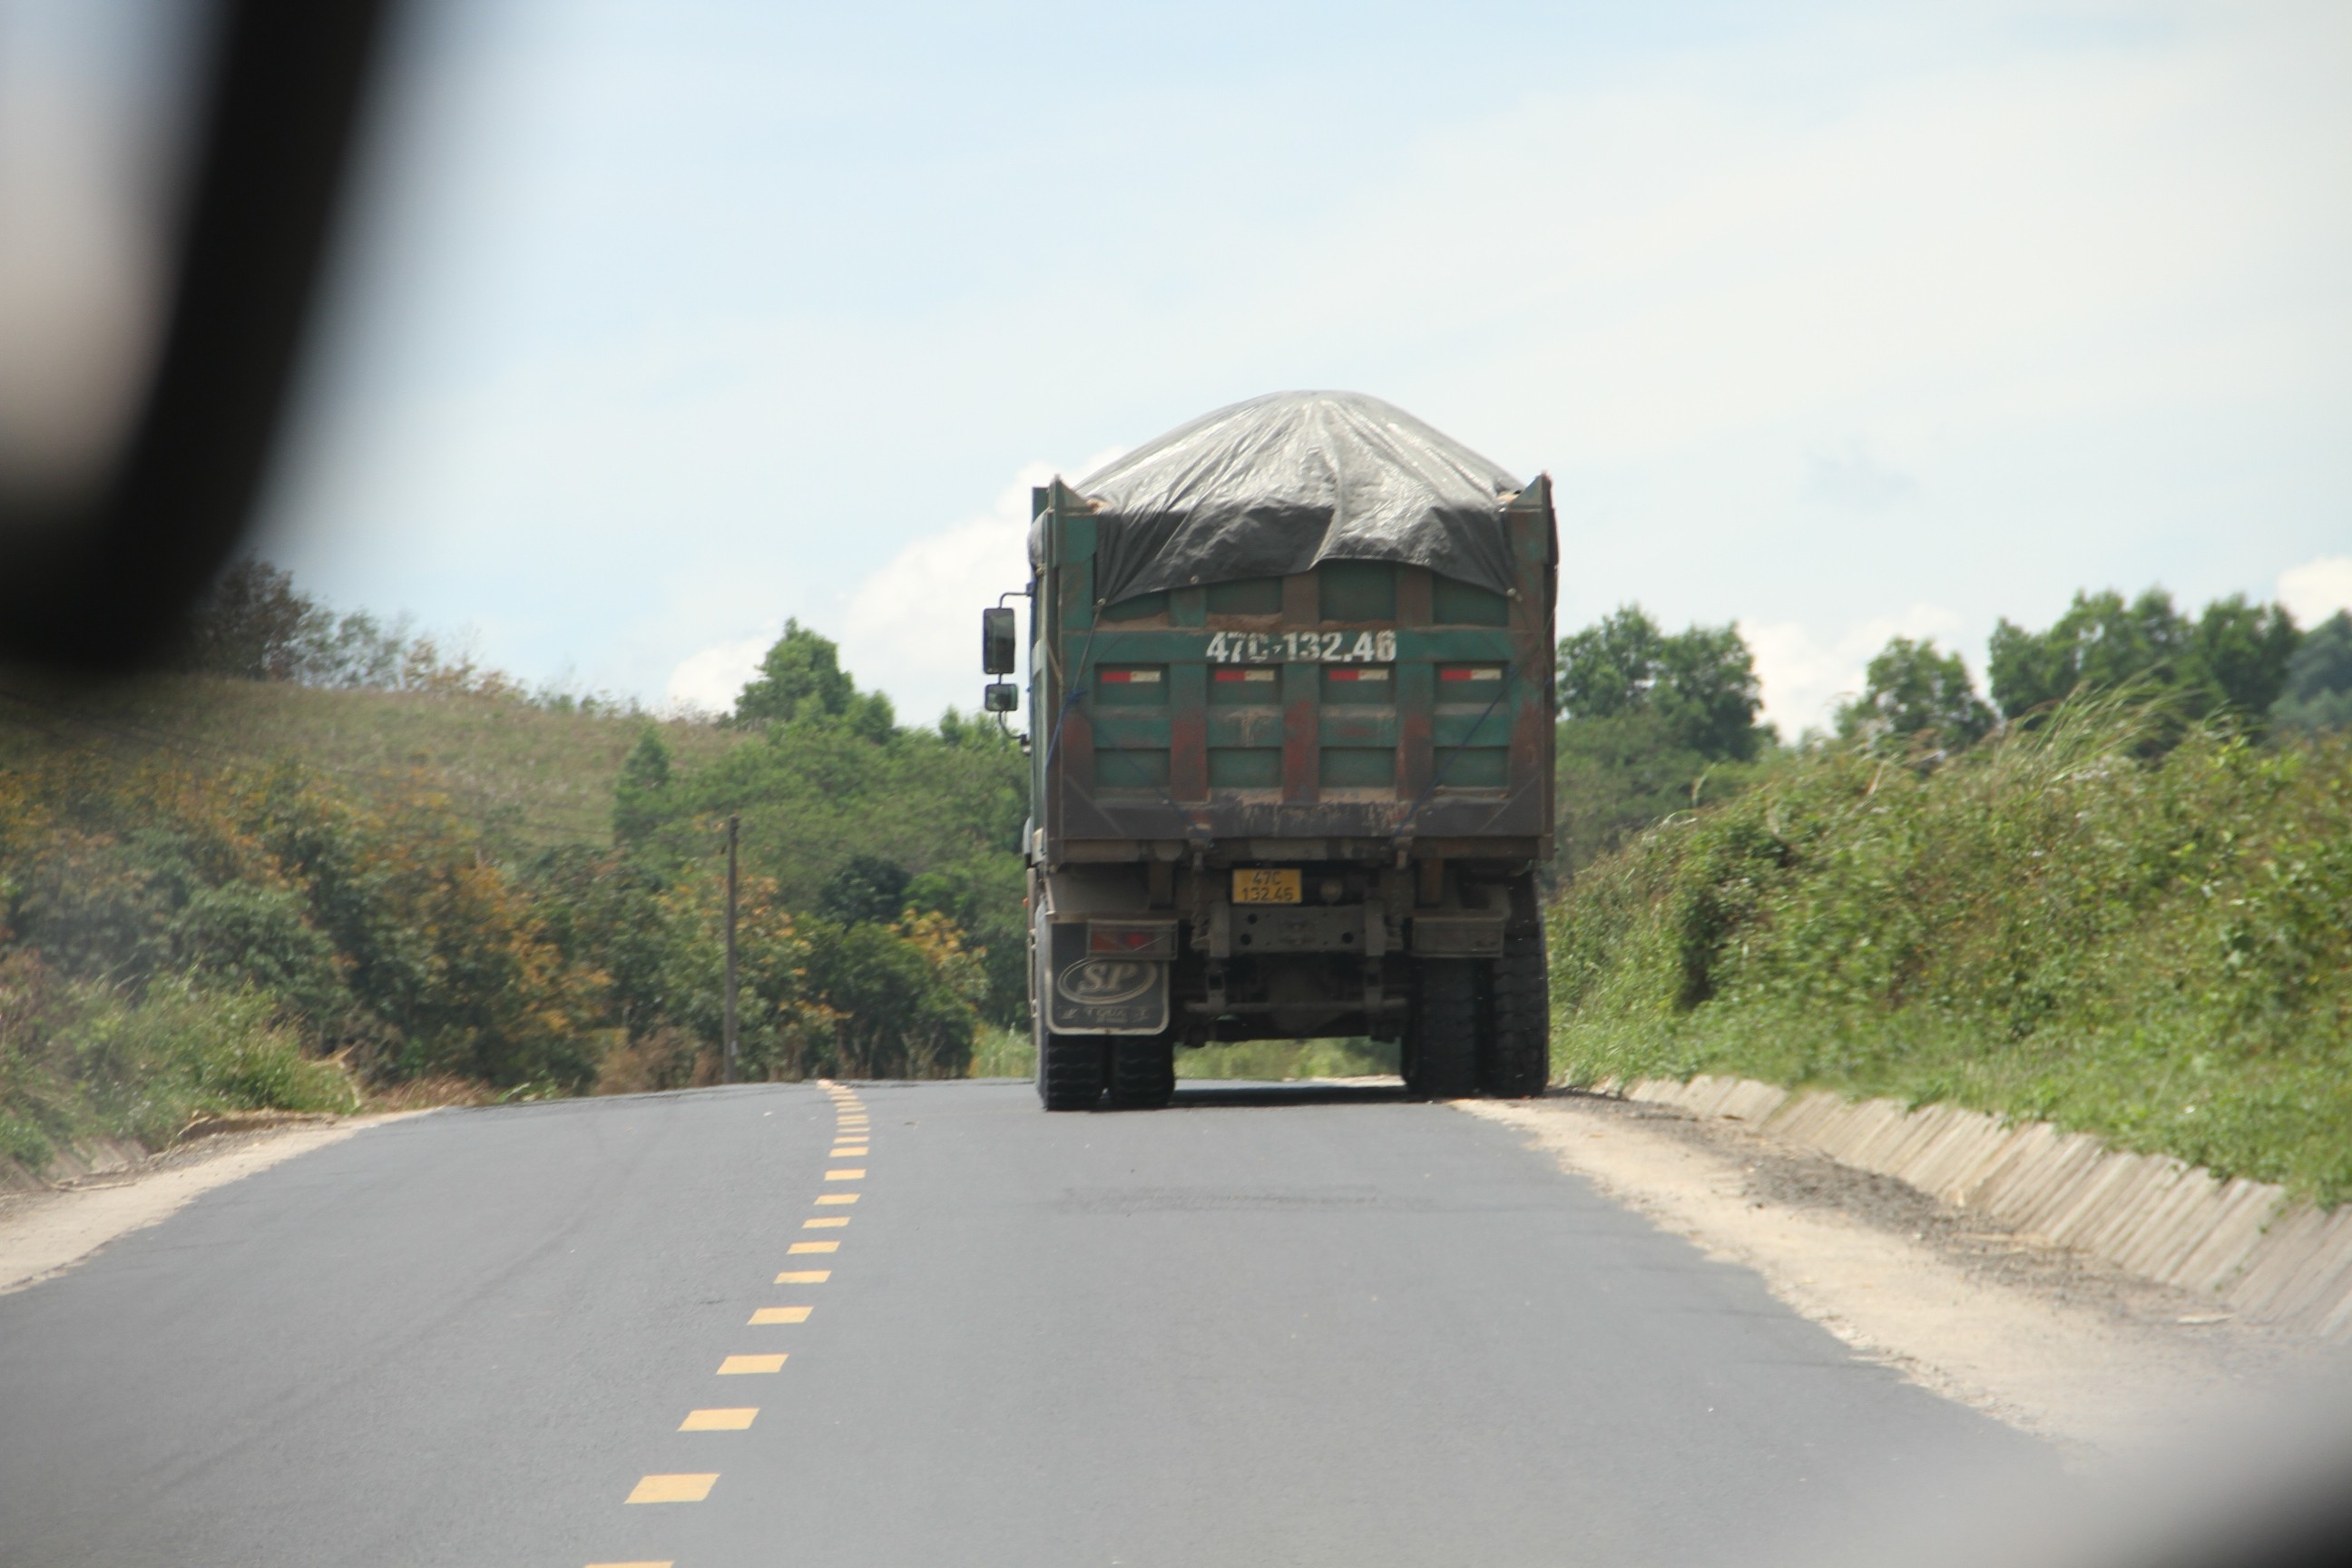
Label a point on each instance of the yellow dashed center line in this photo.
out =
(737, 1419)
(779, 1315)
(674, 1488)
(852, 1139)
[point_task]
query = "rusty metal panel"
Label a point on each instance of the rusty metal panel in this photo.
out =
(1187, 731)
(1300, 761)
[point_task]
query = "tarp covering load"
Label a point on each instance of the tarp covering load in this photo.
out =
(1281, 483)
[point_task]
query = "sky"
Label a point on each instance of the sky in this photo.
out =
(655, 324)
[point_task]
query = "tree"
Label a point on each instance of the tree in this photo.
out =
(1608, 667)
(638, 795)
(1700, 683)
(2232, 658)
(802, 676)
(1915, 696)
(2318, 685)
(1649, 721)
(984, 896)
(2238, 653)
(1707, 691)
(251, 624)
(866, 890)
(2100, 642)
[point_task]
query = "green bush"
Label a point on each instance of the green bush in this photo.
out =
(84, 1059)
(2155, 946)
(999, 1051)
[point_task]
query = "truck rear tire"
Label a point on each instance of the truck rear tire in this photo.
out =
(1515, 1059)
(1070, 1070)
(1444, 1042)
(1142, 1071)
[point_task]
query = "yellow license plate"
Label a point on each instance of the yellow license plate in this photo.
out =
(1259, 887)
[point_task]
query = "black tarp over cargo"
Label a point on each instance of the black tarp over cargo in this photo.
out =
(1282, 483)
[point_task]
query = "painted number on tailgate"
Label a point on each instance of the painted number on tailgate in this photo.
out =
(1258, 886)
(1301, 648)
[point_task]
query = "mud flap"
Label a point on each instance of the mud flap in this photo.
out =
(1093, 995)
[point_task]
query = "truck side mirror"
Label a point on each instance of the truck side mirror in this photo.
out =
(999, 643)
(1000, 698)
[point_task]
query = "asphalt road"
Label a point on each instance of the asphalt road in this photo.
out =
(1263, 1327)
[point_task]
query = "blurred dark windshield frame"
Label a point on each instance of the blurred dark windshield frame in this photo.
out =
(98, 581)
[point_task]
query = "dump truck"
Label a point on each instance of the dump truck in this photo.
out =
(1290, 733)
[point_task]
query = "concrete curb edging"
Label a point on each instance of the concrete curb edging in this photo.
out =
(92, 1157)
(2241, 1242)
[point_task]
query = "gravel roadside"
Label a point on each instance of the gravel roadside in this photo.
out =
(44, 1233)
(2040, 1337)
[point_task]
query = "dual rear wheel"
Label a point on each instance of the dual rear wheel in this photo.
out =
(1482, 1026)
(1074, 1071)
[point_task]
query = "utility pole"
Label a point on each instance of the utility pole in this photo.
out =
(731, 824)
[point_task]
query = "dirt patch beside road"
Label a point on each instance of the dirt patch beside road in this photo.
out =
(43, 1234)
(2046, 1339)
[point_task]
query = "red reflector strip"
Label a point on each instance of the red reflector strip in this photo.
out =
(1243, 674)
(1139, 938)
(1461, 672)
(1360, 675)
(1120, 941)
(1130, 677)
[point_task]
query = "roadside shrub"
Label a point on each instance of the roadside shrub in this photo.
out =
(904, 1000)
(38, 1103)
(84, 1059)
(257, 935)
(2065, 922)
(182, 1048)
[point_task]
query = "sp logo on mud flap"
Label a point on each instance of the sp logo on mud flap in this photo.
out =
(1105, 982)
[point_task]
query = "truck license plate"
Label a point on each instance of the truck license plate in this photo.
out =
(1263, 887)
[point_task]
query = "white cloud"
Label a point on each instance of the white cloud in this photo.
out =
(2316, 589)
(711, 680)
(913, 627)
(1805, 677)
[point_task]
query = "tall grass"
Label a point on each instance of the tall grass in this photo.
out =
(78, 1059)
(999, 1052)
(2069, 922)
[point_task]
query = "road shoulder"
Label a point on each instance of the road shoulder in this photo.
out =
(2040, 1338)
(43, 1234)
